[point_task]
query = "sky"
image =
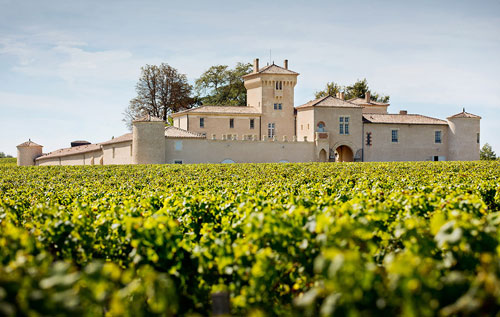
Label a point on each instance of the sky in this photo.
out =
(68, 69)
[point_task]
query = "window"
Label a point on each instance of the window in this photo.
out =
(178, 162)
(252, 123)
(270, 130)
(202, 122)
(394, 135)
(343, 125)
(114, 150)
(321, 126)
(477, 136)
(231, 123)
(368, 138)
(437, 136)
(178, 145)
(279, 106)
(275, 106)
(279, 85)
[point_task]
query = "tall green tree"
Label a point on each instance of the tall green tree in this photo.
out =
(161, 90)
(486, 153)
(356, 90)
(221, 85)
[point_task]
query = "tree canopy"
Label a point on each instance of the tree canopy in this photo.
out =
(487, 153)
(161, 90)
(221, 85)
(356, 90)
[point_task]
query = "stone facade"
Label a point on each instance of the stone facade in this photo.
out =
(271, 129)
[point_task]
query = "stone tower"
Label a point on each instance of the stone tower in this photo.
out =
(148, 140)
(271, 90)
(27, 152)
(463, 137)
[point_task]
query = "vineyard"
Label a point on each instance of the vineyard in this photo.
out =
(412, 239)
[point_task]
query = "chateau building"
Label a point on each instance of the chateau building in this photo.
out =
(269, 128)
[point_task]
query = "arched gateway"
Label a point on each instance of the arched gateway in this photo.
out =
(342, 153)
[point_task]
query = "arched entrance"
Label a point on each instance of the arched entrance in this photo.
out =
(322, 155)
(343, 153)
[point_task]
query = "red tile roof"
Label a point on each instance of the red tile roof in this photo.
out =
(400, 119)
(329, 101)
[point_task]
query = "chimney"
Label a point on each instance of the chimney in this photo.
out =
(403, 112)
(342, 95)
(256, 65)
(367, 96)
(286, 63)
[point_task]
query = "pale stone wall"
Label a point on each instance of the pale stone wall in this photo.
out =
(74, 159)
(26, 155)
(415, 142)
(49, 161)
(219, 125)
(122, 153)
(463, 141)
(191, 151)
(148, 146)
(305, 124)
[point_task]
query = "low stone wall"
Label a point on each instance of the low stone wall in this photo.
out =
(191, 151)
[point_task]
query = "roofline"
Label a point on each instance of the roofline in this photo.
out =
(48, 155)
(411, 123)
(189, 111)
(318, 100)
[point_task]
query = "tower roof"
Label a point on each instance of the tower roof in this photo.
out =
(28, 143)
(464, 114)
(272, 69)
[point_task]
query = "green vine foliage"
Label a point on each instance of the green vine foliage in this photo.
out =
(358, 239)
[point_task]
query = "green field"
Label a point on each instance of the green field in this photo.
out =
(363, 239)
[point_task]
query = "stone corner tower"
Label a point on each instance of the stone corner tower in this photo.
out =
(148, 140)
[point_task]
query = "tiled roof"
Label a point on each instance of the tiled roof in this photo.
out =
(401, 119)
(148, 118)
(28, 143)
(329, 101)
(122, 138)
(220, 110)
(174, 132)
(71, 151)
(273, 69)
(464, 114)
(362, 101)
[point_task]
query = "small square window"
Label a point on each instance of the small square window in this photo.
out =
(178, 162)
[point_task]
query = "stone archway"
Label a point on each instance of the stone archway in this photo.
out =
(343, 153)
(322, 155)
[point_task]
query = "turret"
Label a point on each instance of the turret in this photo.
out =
(463, 137)
(148, 140)
(27, 152)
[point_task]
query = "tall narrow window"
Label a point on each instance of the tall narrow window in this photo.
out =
(281, 85)
(279, 106)
(275, 106)
(343, 125)
(202, 122)
(394, 136)
(477, 136)
(437, 136)
(231, 123)
(277, 86)
(270, 130)
(252, 123)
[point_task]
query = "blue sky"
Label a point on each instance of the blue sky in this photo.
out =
(68, 68)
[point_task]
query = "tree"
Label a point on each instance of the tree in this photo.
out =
(161, 90)
(356, 90)
(220, 85)
(487, 153)
(3, 155)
